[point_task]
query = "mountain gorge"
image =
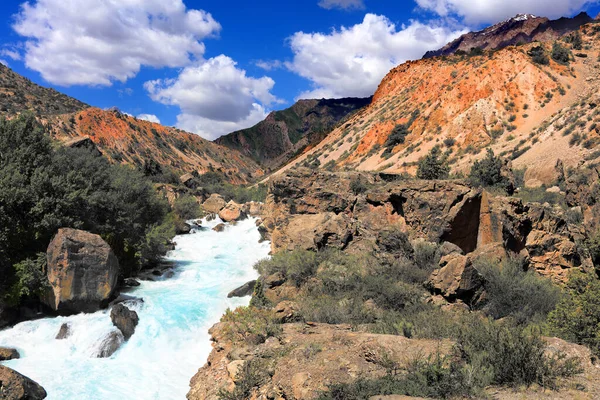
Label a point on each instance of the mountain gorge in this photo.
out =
(274, 141)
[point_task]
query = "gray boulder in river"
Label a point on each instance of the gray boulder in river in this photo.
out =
(14, 386)
(110, 344)
(245, 290)
(7, 353)
(82, 272)
(124, 319)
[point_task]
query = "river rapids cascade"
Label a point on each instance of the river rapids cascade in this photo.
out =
(171, 341)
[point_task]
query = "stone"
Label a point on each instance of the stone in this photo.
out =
(214, 204)
(131, 282)
(126, 298)
(82, 272)
(189, 181)
(274, 280)
(286, 311)
(219, 228)
(245, 290)
(14, 386)
(234, 368)
(124, 319)
(64, 331)
(456, 279)
(232, 212)
(110, 344)
(7, 353)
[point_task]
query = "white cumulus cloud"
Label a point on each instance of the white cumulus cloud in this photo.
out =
(342, 4)
(215, 97)
(352, 61)
(95, 42)
(492, 11)
(149, 118)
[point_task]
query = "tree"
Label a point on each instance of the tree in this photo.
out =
(488, 172)
(433, 165)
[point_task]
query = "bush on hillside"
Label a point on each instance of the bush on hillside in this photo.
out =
(560, 54)
(511, 291)
(538, 55)
(433, 165)
(577, 316)
(214, 182)
(488, 172)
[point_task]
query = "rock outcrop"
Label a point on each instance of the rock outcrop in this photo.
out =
(245, 290)
(82, 272)
(109, 344)
(64, 331)
(14, 386)
(124, 319)
(232, 212)
(7, 353)
(214, 204)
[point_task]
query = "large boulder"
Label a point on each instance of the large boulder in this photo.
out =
(456, 279)
(124, 319)
(64, 331)
(245, 290)
(14, 386)
(7, 353)
(82, 272)
(214, 204)
(110, 344)
(232, 212)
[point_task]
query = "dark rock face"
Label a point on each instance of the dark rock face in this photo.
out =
(245, 290)
(14, 386)
(64, 331)
(130, 282)
(82, 271)
(273, 141)
(110, 344)
(7, 353)
(124, 319)
(520, 29)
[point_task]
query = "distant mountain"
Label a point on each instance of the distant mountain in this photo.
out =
(274, 141)
(19, 94)
(523, 28)
(119, 137)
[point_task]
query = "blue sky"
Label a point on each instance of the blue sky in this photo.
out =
(213, 67)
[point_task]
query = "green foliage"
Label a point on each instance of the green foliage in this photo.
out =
(577, 316)
(157, 241)
(214, 182)
(296, 266)
(538, 55)
(488, 172)
(186, 207)
(393, 240)
(259, 300)
(31, 277)
(511, 291)
(250, 325)
(398, 135)
(433, 165)
(560, 54)
(43, 189)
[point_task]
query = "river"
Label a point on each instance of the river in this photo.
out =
(171, 340)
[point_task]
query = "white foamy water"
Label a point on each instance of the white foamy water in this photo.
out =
(171, 340)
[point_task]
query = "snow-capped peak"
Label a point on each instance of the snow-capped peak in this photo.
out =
(523, 17)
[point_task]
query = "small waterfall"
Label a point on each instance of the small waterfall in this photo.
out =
(171, 340)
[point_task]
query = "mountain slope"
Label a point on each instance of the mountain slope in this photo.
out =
(523, 28)
(502, 100)
(128, 140)
(19, 94)
(273, 141)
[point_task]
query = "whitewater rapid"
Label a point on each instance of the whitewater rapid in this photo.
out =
(171, 340)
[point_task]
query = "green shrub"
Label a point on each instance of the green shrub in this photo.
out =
(433, 165)
(358, 186)
(560, 54)
(251, 325)
(488, 172)
(393, 240)
(511, 291)
(250, 376)
(186, 207)
(538, 55)
(577, 316)
(449, 142)
(31, 277)
(296, 266)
